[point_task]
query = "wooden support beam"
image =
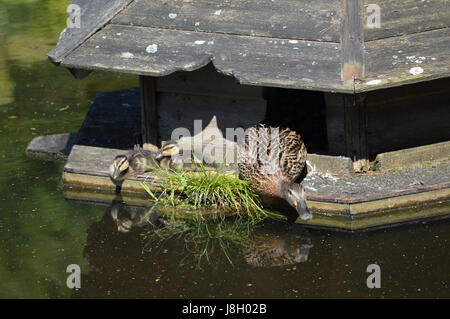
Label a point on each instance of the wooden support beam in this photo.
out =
(347, 127)
(352, 41)
(356, 130)
(149, 111)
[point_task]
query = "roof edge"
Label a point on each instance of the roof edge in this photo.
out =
(85, 17)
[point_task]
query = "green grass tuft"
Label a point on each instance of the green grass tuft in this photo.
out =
(216, 190)
(221, 194)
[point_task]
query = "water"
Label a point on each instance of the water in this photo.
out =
(41, 233)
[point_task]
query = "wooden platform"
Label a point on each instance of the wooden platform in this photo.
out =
(341, 202)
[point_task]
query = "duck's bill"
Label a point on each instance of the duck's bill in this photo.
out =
(159, 155)
(116, 173)
(303, 211)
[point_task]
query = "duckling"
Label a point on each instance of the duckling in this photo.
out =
(127, 217)
(133, 162)
(170, 156)
(274, 172)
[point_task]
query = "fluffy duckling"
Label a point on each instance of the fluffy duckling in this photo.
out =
(133, 162)
(170, 156)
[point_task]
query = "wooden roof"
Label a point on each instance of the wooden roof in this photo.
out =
(320, 45)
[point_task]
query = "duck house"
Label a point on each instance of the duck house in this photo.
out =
(365, 82)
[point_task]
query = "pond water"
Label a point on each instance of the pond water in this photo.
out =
(41, 233)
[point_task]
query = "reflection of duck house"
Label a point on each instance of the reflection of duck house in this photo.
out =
(360, 95)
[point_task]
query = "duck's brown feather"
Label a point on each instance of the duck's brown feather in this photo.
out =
(281, 162)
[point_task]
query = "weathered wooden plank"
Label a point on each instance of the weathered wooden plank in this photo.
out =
(352, 42)
(255, 61)
(90, 160)
(405, 17)
(53, 147)
(416, 156)
(396, 214)
(368, 188)
(288, 19)
(207, 81)
(325, 214)
(88, 16)
(406, 59)
(334, 165)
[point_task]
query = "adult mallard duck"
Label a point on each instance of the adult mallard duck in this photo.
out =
(272, 158)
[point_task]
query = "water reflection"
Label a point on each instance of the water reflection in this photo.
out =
(269, 247)
(270, 244)
(131, 254)
(127, 217)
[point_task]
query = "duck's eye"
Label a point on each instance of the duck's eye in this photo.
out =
(123, 162)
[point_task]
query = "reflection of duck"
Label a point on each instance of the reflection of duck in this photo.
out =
(272, 162)
(277, 247)
(273, 252)
(127, 217)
